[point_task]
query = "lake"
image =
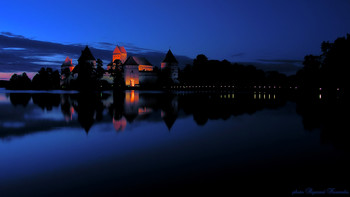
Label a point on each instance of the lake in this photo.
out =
(171, 144)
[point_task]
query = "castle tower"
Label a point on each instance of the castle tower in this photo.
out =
(66, 70)
(87, 57)
(123, 54)
(131, 72)
(119, 53)
(170, 63)
(67, 64)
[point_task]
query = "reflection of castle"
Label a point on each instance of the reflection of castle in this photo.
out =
(133, 106)
(136, 70)
(136, 107)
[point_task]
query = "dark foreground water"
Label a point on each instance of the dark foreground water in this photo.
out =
(145, 143)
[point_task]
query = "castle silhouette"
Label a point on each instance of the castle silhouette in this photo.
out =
(136, 70)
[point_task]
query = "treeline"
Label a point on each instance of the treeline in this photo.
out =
(328, 70)
(45, 79)
(214, 72)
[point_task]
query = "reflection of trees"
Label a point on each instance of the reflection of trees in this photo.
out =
(130, 106)
(116, 110)
(46, 101)
(327, 115)
(19, 99)
(222, 106)
(67, 107)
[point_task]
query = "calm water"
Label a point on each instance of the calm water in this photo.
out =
(138, 143)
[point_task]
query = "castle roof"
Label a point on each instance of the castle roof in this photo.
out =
(130, 61)
(86, 55)
(170, 58)
(119, 49)
(122, 49)
(116, 50)
(133, 60)
(67, 62)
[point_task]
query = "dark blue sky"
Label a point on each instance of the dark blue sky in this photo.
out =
(265, 32)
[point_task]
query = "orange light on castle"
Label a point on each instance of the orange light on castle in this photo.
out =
(119, 53)
(131, 81)
(145, 68)
(163, 65)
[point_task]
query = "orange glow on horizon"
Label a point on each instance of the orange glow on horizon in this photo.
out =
(6, 76)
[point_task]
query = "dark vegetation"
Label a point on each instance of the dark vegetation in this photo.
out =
(328, 70)
(206, 72)
(317, 114)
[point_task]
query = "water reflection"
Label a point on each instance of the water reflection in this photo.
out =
(20, 99)
(216, 140)
(329, 115)
(124, 108)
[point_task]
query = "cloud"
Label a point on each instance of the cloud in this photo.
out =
(238, 54)
(286, 66)
(130, 48)
(18, 53)
(283, 61)
(9, 34)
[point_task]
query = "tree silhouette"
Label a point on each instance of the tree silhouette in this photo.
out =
(46, 79)
(99, 69)
(20, 82)
(117, 72)
(310, 74)
(336, 63)
(213, 72)
(329, 70)
(87, 78)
